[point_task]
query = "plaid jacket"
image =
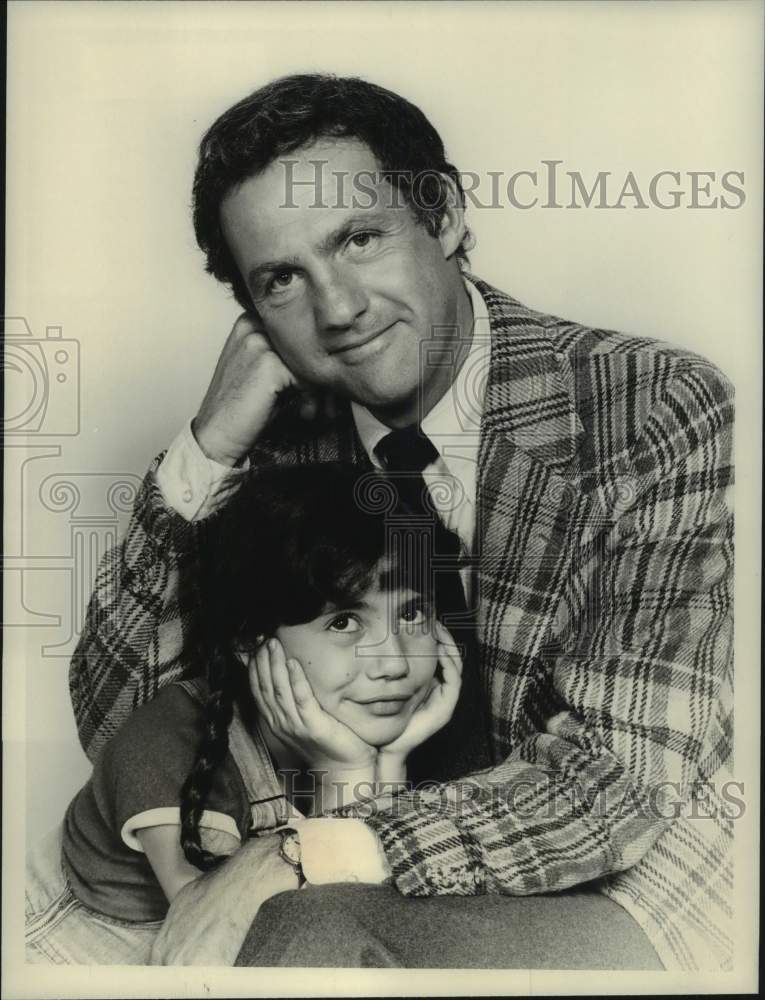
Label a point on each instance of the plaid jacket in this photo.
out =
(604, 551)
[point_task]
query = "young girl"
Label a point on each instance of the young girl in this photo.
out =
(324, 668)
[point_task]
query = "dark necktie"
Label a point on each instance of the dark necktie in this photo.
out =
(462, 745)
(404, 455)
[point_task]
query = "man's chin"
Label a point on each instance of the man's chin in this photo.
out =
(390, 401)
(388, 383)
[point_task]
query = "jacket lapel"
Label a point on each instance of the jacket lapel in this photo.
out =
(527, 506)
(529, 398)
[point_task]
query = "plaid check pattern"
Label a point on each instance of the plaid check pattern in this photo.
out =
(604, 583)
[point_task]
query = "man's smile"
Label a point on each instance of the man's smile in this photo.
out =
(363, 347)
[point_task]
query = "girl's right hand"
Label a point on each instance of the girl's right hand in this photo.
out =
(286, 701)
(431, 714)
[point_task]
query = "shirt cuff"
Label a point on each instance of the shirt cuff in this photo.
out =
(340, 850)
(171, 816)
(190, 482)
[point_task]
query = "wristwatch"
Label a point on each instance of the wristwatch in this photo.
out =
(289, 851)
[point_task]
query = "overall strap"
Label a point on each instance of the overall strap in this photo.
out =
(196, 688)
(269, 806)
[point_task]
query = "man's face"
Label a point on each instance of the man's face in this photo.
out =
(345, 293)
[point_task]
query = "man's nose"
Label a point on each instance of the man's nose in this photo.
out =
(340, 299)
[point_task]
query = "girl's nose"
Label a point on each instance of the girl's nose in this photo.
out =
(388, 661)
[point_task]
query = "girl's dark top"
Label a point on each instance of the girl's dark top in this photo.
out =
(141, 770)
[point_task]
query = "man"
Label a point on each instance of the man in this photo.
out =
(593, 471)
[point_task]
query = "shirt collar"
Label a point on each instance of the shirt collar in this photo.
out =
(454, 422)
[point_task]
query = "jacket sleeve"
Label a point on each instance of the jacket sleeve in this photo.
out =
(639, 716)
(138, 619)
(141, 616)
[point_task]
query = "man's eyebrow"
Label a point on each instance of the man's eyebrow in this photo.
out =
(357, 222)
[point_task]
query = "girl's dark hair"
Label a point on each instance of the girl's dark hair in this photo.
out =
(293, 541)
(294, 111)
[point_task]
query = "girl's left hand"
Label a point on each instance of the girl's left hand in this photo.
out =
(434, 711)
(286, 701)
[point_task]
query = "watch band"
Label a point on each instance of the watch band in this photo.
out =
(289, 851)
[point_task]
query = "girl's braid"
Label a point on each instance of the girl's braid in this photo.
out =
(222, 670)
(211, 753)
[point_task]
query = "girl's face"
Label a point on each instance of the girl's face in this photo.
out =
(369, 665)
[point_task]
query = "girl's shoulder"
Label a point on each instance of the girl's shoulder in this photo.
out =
(169, 721)
(137, 783)
(145, 765)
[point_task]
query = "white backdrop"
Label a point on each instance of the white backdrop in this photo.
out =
(107, 103)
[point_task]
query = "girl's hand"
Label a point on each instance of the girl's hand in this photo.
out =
(286, 701)
(430, 715)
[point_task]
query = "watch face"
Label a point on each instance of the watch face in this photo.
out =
(291, 847)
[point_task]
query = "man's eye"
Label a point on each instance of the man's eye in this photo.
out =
(345, 624)
(363, 240)
(280, 281)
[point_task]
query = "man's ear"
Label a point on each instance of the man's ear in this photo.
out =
(453, 230)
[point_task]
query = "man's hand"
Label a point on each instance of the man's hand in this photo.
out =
(430, 715)
(245, 386)
(285, 699)
(209, 918)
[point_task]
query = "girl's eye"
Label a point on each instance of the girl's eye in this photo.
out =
(414, 615)
(344, 624)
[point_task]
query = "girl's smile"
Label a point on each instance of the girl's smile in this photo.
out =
(371, 665)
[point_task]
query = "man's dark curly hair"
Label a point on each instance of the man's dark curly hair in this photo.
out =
(294, 111)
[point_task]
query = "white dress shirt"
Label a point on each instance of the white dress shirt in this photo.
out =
(453, 425)
(194, 486)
